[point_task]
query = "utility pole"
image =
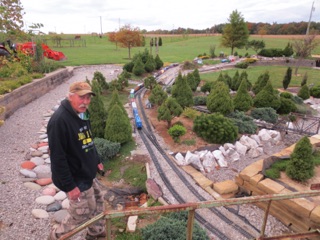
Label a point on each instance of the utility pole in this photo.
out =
(312, 9)
(100, 27)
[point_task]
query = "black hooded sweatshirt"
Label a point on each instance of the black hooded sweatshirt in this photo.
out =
(74, 158)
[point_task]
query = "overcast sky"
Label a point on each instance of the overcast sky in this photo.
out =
(87, 16)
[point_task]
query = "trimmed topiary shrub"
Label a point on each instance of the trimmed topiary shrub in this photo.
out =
(266, 114)
(287, 95)
(176, 132)
(215, 128)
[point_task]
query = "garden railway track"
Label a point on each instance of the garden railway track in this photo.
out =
(222, 223)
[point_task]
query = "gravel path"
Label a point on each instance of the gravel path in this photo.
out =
(17, 134)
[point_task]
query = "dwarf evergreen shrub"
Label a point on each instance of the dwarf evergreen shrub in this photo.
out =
(106, 149)
(266, 114)
(301, 164)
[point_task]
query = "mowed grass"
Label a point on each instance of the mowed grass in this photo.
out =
(175, 48)
(276, 74)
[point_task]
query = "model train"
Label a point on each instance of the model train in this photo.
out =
(137, 119)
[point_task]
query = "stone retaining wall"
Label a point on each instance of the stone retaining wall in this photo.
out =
(300, 214)
(31, 91)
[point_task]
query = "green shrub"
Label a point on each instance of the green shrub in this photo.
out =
(172, 226)
(200, 100)
(242, 65)
(190, 113)
(244, 123)
(281, 165)
(286, 95)
(215, 128)
(273, 173)
(267, 98)
(106, 149)
(271, 52)
(176, 131)
(266, 114)
(304, 92)
(315, 91)
(297, 100)
(301, 164)
(287, 106)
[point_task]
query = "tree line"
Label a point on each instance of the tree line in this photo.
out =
(260, 28)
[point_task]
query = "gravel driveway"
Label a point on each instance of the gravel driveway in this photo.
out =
(17, 134)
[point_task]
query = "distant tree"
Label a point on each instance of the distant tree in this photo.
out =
(212, 51)
(129, 37)
(182, 92)
(235, 33)
(288, 50)
(158, 95)
(287, 78)
(303, 48)
(112, 38)
(261, 82)
(11, 17)
(118, 128)
(150, 82)
(301, 165)
(159, 62)
(304, 79)
(242, 100)
(169, 109)
(267, 98)
(219, 99)
(98, 112)
(256, 45)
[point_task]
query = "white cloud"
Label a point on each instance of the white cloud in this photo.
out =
(83, 16)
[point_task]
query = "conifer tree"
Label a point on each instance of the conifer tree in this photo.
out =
(150, 65)
(196, 77)
(182, 92)
(304, 92)
(98, 112)
(261, 82)
(118, 127)
(116, 100)
(235, 81)
(169, 109)
(304, 79)
(244, 75)
(191, 81)
(158, 61)
(219, 99)
(287, 78)
(301, 165)
(158, 95)
(243, 101)
(267, 98)
(150, 82)
(138, 68)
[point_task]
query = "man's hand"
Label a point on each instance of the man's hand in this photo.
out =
(74, 194)
(100, 169)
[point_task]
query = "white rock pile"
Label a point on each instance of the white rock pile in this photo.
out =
(253, 146)
(36, 173)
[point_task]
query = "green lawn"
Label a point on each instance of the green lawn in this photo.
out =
(276, 73)
(173, 49)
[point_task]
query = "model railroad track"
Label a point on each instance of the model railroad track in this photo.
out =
(147, 136)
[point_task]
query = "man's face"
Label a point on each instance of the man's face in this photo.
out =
(80, 103)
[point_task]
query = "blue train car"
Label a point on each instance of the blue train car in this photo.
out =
(136, 116)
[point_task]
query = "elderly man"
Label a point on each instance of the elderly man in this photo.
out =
(75, 161)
